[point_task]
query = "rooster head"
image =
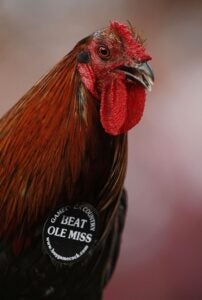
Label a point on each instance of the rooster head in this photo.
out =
(113, 67)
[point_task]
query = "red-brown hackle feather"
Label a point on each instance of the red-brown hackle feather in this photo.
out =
(53, 149)
(34, 156)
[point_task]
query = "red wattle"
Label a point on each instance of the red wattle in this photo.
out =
(122, 106)
(135, 106)
(113, 107)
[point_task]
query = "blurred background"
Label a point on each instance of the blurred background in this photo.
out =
(161, 254)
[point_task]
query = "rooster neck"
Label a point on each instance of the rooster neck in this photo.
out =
(53, 149)
(101, 153)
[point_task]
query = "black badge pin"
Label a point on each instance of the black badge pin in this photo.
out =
(70, 233)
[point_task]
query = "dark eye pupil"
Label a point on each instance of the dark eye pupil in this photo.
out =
(103, 52)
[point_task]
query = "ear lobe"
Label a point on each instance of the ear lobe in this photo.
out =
(83, 57)
(87, 77)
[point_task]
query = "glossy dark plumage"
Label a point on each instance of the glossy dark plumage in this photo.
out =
(33, 276)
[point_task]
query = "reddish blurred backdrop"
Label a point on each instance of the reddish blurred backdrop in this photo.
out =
(161, 255)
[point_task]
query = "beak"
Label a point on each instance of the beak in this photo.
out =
(139, 72)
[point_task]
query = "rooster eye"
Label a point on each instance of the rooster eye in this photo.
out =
(103, 52)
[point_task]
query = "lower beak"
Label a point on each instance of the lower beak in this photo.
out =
(140, 72)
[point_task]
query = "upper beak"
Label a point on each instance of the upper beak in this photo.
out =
(140, 72)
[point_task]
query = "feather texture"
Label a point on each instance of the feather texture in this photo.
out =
(53, 149)
(65, 142)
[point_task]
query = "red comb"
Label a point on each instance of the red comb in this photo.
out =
(134, 48)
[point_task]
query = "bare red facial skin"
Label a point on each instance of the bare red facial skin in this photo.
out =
(122, 102)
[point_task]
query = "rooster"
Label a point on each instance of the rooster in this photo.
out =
(65, 142)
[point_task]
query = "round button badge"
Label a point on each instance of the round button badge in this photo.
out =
(70, 233)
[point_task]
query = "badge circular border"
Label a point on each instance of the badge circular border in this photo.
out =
(50, 250)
